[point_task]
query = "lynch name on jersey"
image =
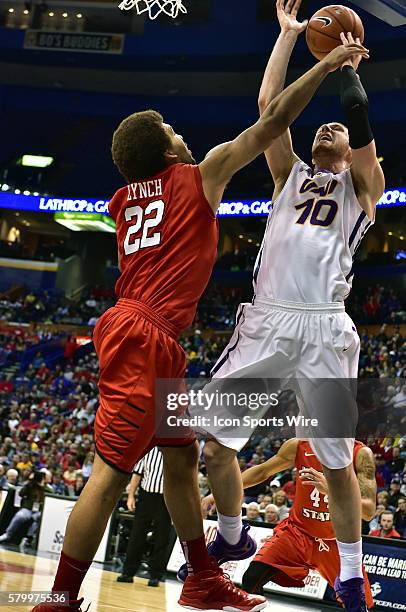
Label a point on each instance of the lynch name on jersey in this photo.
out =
(146, 189)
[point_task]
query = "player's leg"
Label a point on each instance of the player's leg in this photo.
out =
(326, 560)
(331, 400)
(226, 484)
(86, 526)
(182, 498)
(205, 587)
(255, 350)
(283, 558)
(257, 576)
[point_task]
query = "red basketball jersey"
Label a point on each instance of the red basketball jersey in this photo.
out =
(167, 241)
(310, 510)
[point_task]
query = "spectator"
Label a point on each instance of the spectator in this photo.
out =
(69, 475)
(397, 464)
(382, 499)
(58, 485)
(400, 517)
(272, 514)
(12, 478)
(3, 477)
(394, 493)
(403, 487)
(25, 461)
(32, 499)
(252, 512)
(264, 501)
(78, 487)
(386, 529)
(290, 486)
(275, 485)
(384, 474)
(375, 523)
(281, 501)
(203, 484)
(88, 465)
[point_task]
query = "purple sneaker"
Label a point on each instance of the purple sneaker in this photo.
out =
(352, 594)
(223, 552)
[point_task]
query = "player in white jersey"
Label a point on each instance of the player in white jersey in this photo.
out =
(296, 327)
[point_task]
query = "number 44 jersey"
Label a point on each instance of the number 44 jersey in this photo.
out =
(314, 229)
(310, 511)
(167, 242)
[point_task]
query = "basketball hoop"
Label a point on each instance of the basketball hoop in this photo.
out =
(154, 8)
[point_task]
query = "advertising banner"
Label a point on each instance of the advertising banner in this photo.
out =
(386, 568)
(53, 526)
(315, 585)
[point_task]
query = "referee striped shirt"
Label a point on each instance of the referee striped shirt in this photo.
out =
(151, 469)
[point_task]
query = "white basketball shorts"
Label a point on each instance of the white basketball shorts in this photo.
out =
(313, 346)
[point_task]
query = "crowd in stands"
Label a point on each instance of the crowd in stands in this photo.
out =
(217, 306)
(378, 305)
(53, 307)
(47, 406)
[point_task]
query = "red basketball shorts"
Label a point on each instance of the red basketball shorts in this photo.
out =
(294, 553)
(135, 347)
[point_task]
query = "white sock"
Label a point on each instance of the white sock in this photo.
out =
(230, 528)
(351, 560)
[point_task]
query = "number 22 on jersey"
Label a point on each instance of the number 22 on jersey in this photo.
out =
(143, 226)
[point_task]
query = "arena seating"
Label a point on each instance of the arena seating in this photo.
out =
(48, 386)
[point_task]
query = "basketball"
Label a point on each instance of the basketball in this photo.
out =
(325, 27)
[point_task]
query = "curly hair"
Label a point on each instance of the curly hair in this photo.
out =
(139, 144)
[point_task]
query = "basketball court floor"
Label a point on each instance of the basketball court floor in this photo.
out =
(24, 572)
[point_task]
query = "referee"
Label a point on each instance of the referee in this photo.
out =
(150, 514)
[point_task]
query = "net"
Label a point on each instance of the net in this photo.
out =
(154, 8)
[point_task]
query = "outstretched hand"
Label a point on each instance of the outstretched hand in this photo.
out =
(312, 478)
(207, 505)
(340, 56)
(287, 11)
(355, 60)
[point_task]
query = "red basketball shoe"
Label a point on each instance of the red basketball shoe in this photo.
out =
(74, 606)
(212, 590)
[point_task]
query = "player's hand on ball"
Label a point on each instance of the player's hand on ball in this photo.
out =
(340, 55)
(355, 60)
(312, 478)
(287, 14)
(207, 504)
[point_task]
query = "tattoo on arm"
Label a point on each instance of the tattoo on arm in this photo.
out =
(366, 475)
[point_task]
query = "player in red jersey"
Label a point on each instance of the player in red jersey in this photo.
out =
(305, 540)
(167, 241)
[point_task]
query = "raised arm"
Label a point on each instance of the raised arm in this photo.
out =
(283, 460)
(366, 171)
(365, 469)
(280, 155)
(226, 159)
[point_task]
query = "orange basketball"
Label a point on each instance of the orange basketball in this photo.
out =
(325, 27)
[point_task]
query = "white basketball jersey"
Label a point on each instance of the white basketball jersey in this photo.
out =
(313, 230)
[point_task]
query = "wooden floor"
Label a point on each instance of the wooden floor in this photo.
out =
(23, 572)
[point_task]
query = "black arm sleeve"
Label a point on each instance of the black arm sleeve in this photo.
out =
(354, 102)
